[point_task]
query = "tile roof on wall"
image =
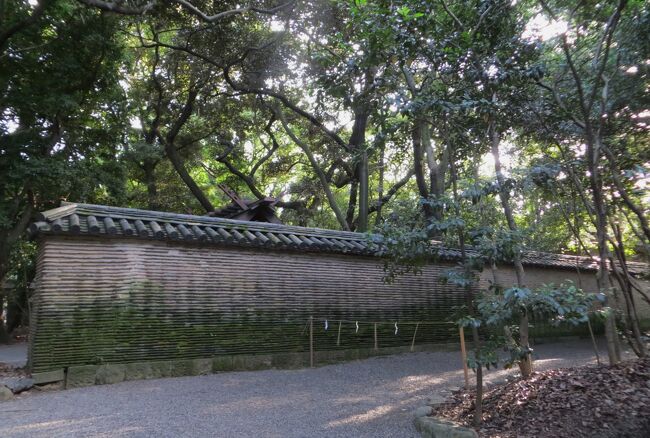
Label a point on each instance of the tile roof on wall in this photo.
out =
(113, 221)
(100, 220)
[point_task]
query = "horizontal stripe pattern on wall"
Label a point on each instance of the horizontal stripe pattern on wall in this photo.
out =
(119, 300)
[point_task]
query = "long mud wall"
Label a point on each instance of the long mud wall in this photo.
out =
(102, 301)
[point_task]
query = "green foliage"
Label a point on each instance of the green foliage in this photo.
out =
(563, 304)
(485, 356)
(60, 112)
(462, 277)
(89, 100)
(23, 268)
(404, 242)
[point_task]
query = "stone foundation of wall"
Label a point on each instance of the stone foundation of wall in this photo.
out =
(87, 375)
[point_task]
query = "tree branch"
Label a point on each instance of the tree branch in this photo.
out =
(177, 160)
(319, 172)
(275, 146)
(37, 12)
(451, 14)
(118, 6)
(238, 11)
(392, 191)
(293, 107)
(606, 42)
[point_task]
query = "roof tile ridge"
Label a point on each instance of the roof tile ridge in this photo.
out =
(66, 209)
(133, 213)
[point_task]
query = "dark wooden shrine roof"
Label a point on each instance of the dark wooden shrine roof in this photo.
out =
(258, 210)
(100, 220)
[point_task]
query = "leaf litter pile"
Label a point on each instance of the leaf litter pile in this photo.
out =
(590, 401)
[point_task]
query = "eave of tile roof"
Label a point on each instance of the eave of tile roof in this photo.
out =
(101, 220)
(89, 219)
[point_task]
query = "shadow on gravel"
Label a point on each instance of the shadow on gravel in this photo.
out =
(370, 398)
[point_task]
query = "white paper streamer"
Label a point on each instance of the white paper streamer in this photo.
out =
(326, 325)
(396, 329)
(357, 324)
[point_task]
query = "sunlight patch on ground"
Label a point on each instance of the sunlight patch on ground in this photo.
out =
(411, 384)
(50, 425)
(124, 431)
(370, 415)
(257, 402)
(353, 399)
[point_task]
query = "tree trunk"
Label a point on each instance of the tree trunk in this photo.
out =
(623, 279)
(640, 214)
(149, 167)
(179, 165)
(418, 167)
(478, 404)
(437, 169)
(526, 363)
(380, 185)
(430, 156)
(358, 146)
(352, 203)
(9, 237)
(602, 277)
(362, 225)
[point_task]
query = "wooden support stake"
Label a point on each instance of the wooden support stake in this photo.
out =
(376, 344)
(593, 341)
(464, 356)
(338, 338)
(414, 333)
(311, 341)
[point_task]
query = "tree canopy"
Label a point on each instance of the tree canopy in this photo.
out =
(511, 124)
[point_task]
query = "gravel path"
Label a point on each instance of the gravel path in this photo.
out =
(14, 355)
(370, 398)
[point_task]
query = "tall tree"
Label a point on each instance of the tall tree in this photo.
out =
(584, 93)
(57, 127)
